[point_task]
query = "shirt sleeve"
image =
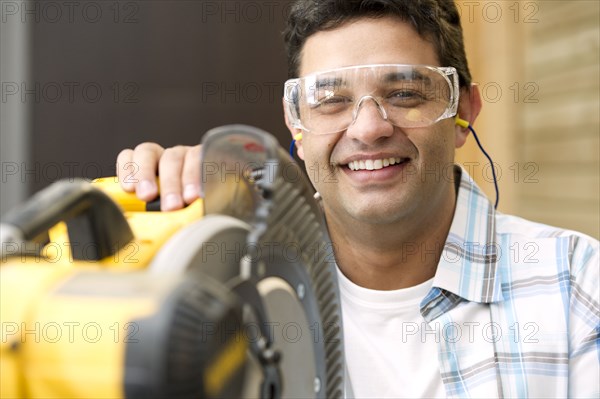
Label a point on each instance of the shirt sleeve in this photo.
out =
(584, 322)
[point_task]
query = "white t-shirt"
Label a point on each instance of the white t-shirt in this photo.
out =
(390, 350)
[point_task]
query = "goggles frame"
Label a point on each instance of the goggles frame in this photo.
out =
(292, 95)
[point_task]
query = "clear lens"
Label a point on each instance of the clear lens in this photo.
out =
(406, 95)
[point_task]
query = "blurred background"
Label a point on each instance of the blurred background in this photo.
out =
(82, 80)
(537, 64)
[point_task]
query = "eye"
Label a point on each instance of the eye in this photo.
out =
(331, 104)
(335, 100)
(406, 98)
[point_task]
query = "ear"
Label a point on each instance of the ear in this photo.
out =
(294, 131)
(469, 106)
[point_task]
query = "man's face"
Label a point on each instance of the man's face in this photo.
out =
(409, 189)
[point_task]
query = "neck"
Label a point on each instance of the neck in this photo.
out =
(396, 255)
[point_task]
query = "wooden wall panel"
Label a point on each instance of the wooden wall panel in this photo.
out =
(561, 132)
(546, 135)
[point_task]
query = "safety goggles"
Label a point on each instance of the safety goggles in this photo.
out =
(405, 95)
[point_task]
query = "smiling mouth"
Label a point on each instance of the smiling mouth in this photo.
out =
(375, 164)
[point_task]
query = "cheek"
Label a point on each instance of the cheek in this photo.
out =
(317, 150)
(307, 151)
(317, 154)
(435, 145)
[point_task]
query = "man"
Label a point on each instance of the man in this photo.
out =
(437, 295)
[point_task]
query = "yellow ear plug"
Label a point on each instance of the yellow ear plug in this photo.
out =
(461, 122)
(297, 137)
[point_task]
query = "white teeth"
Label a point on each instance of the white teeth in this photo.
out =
(373, 164)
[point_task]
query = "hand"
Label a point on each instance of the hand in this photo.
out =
(178, 170)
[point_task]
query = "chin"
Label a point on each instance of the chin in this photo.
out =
(381, 213)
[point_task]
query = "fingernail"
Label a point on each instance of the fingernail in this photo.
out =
(190, 192)
(171, 201)
(146, 189)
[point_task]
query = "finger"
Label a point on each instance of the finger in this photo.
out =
(144, 165)
(169, 171)
(190, 177)
(125, 157)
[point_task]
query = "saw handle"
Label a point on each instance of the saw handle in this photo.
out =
(129, 202)
(94, 221)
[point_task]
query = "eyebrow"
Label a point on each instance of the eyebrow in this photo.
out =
(400, 76)
(328, 82)
(389, 77)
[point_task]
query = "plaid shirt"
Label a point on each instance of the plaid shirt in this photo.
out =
(515, 306)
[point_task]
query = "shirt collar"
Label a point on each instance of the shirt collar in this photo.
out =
(468, 266)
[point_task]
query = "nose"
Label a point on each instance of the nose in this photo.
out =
(371, 124)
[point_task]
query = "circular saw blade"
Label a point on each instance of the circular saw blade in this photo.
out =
(301, 302)
(292, 339)
(248, 176)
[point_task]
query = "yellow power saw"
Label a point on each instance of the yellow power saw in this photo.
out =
(233, 296)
